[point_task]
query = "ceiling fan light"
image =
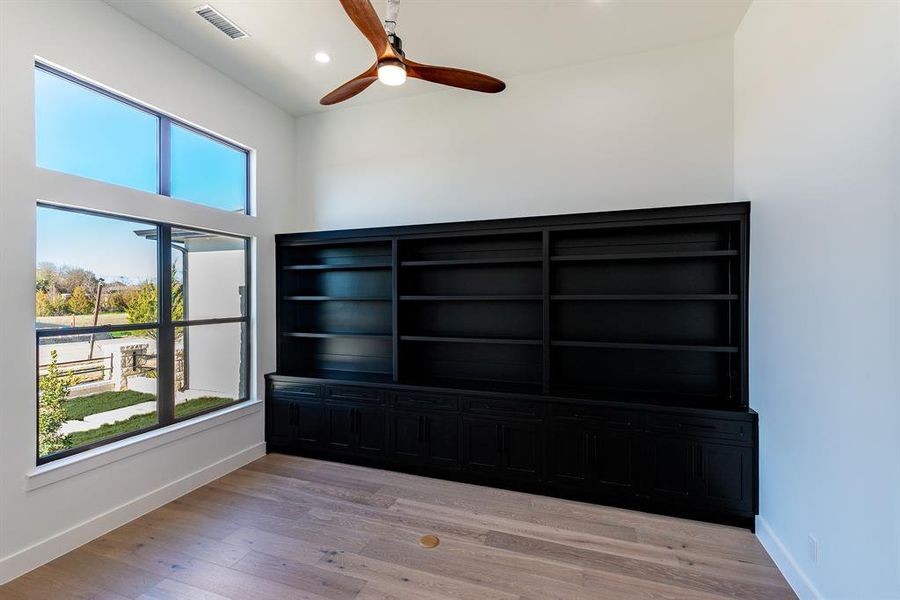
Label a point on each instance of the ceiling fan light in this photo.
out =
(392, 72)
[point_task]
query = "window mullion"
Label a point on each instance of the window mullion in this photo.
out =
(165, 347)
(165, 155)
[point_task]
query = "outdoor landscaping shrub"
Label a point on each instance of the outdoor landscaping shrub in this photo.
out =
(54, 389)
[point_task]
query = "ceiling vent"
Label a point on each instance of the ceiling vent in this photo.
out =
(221, 22)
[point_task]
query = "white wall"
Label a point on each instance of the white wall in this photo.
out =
(215, 275)
(47, 514)
(640, 130)
(817, 151)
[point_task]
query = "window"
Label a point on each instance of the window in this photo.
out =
(87, 131)
(83, 132)
(139, 325)
(207, 171)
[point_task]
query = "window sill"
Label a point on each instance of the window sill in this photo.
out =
(89, 460)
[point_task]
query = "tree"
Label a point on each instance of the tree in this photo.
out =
(80, 303)
(54, 390)
(42, 283)
(117, 301)
(50, 306)
(141, 304)
(45, 277)
(41, 304)
(69, 278)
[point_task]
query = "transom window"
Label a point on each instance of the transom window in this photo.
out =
(87, 131)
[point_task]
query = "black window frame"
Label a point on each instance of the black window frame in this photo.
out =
(164, 140)
(165, 326)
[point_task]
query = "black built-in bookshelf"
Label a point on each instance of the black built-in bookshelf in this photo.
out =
(643, 311)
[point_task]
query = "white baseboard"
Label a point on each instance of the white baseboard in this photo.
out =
(784, 560)
(43, 552)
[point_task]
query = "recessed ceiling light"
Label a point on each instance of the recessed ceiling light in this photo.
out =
(322, 57)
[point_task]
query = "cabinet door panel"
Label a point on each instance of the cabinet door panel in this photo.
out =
(309, 419)
(370, 430)
(406, 435)
(522, 450)
(481, 444)
(442, 440)
(567, 454)
(725, 476)
(615, 454)
(281, 420)
(668, 467)
(339, 426)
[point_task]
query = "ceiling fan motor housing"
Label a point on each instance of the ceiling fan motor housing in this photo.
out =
(396, 44)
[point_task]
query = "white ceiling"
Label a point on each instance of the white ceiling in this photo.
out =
(502, 38)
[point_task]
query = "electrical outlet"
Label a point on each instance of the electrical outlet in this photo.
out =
(813, 544)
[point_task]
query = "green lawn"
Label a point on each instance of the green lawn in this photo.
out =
(79, 408)
(81, 438)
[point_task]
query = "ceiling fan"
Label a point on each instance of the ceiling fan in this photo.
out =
(391, 65)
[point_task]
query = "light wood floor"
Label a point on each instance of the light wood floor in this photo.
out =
(285, 527)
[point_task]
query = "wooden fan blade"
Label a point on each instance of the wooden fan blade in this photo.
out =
(460, 78)
(352, 87)
(366, 20)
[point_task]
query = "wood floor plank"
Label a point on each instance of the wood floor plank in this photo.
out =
(286, 528)
(601, 538)
(289, 489)
(300, 576)
(169, 589)
(476, 565)
(47, 582)
(528, 523)
(671, 533)
(403, 582)
(189, 521)
(198, 546)
(245, 500)
(201, 574)
(603, 562)
(122, 579)
(283, 546)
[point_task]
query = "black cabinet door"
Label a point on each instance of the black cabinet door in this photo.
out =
(369, 426)
(441, 434)
(280, 421)
(292, 422)
(309, 419)
(512, 448)
(482, 439)
(340, 426)
(359, 429)
(668, 468)
(568, 445)
(724, 476)
(406, 436)
(614, 461)
(522, 450)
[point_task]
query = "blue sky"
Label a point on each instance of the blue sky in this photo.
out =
(108, 247)
(86, 133)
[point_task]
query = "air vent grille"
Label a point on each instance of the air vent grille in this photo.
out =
(221, 22)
